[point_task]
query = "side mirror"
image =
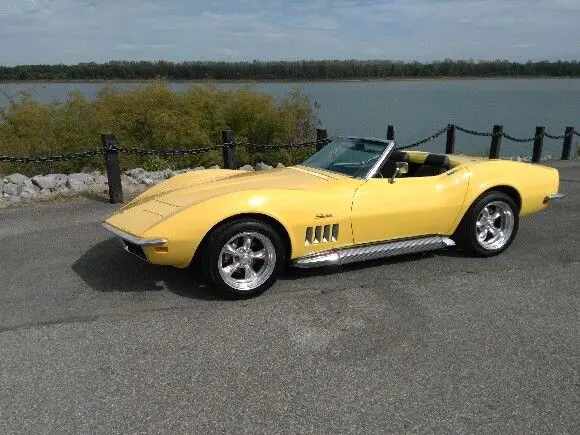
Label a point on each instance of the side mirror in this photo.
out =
(401, 168)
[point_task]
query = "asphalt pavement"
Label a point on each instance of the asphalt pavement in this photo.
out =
(94, 341)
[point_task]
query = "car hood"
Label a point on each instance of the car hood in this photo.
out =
(194, 187)
(182, 191)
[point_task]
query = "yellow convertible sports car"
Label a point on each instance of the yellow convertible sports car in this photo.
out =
(356, 199)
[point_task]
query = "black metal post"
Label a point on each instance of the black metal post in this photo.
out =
(390, 132)
(538, 144)
(111, 153)
(567, 146)
(450, 144)
(229, 149)
(495, 142)
(321, 135)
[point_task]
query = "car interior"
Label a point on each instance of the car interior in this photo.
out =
(434, 164)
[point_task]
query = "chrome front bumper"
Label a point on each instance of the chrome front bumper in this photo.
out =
(131, 238)
(554, 197)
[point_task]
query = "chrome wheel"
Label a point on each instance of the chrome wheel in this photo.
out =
(247, 260)
(494, 225)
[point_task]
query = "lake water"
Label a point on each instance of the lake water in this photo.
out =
(416, 108)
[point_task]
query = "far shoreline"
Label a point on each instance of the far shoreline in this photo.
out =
(360, 80)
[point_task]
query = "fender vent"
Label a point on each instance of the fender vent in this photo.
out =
(321, 234)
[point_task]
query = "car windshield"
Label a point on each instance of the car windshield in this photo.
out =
(350, 156)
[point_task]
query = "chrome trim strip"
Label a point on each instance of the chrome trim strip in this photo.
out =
(131, 238)
(380, 161)
(373, 251)
(554, 196)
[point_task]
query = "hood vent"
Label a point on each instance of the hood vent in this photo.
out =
(321, 234)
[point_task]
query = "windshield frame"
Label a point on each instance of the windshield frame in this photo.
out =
(389, 146)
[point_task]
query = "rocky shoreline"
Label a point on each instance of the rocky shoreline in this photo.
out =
(18, 189)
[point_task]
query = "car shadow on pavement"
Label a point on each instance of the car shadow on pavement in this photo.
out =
(106, 267)
(292, 273)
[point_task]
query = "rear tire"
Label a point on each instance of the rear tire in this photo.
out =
(243, 258)
(489, 226)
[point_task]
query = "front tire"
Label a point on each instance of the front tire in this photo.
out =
(243, 258)
(489, 226)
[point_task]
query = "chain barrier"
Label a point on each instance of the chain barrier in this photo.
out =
(472, 132)
(46, 159)
(166, 153)
(558, 137)
(249, 146)
(520, 140)
(427, 139)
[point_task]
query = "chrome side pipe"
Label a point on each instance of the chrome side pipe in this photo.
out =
(373, 251)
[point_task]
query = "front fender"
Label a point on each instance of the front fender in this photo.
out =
(294, 210)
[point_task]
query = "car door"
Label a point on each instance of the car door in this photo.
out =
(407, 207)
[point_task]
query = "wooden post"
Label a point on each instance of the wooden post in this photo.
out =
(450, 144)
(567, 145)
(229, 149)
(538, 144)
(109, 143)
(390, 132)
(495, 142)
(321, 135)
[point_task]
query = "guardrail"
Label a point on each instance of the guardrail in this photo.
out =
(110, 149)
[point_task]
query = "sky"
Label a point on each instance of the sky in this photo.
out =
(72, 31)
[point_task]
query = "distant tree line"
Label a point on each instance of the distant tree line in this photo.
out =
(289, 70)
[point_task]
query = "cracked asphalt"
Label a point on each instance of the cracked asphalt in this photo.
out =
(94, 341)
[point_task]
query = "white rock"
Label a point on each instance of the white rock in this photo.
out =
(135, 172)
(214, 167)
(99, 178)
(30, 190)
(247, 168)
(62, 191)
(126, 179)
(17, 179)
(45, 182)
(280, 165)
(60, 180)
(157, 175)
(25, 194)
(79, 181)
(81, 176)
(518, 158)
(11, 189)
(198, 168)
(262, 166)
(44, 193)
(167, 173)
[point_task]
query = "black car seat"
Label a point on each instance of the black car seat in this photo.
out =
(388, 169)
(434, 164)
(398, 156)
